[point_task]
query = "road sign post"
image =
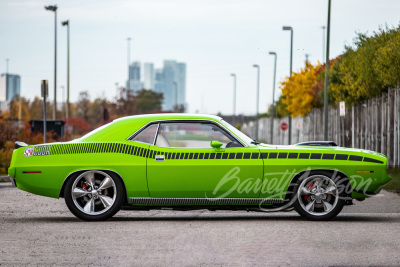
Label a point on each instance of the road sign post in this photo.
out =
(342, 109)
(44, 91)
(298, 132)
(284, 127)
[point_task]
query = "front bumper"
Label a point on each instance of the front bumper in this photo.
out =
(12, 181)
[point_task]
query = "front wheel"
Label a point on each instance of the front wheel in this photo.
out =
(318, 198)
(94, 195)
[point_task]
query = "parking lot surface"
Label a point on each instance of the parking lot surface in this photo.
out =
(37, 230)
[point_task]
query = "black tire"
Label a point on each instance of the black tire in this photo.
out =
(106, 202)
(322, 212)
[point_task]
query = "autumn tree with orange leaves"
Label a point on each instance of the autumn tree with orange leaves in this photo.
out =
(301, 91)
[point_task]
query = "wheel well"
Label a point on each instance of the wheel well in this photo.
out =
(332, 173)
(81, 171)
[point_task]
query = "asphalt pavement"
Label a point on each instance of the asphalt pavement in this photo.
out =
(37, 230)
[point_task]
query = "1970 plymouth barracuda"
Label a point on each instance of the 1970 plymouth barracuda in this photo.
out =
(186, 162)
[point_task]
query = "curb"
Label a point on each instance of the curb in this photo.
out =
(4, 179)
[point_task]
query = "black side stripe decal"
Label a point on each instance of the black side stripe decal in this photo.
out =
(83, 148)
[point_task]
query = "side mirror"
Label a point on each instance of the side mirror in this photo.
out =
(216, 144)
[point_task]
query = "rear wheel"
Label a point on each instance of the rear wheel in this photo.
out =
(318, 198)
(94, 195)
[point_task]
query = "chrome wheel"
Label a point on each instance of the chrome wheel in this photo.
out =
(318, 195)
(94, 192)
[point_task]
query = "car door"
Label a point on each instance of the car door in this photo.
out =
(184, 165)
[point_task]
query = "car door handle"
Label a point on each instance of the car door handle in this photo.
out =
(160, 158)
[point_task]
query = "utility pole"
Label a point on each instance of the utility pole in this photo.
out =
(7, 65)
(323, 44)
(44, 92)
(54, 9)
(326, 74)
(307, 55)
(66, 23)
(273, 98)
(289, 28)
(258, 98)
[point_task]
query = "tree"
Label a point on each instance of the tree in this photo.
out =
(367, 68)
(298, 92)
(148, 100)
(83, 106)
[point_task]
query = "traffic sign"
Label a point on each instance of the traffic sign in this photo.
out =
(44, 88)
(342, 108)
(284, 126)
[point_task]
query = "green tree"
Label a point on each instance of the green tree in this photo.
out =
(148, 100)
(83, 106)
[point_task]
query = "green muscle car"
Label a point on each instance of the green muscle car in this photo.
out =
(187, 162)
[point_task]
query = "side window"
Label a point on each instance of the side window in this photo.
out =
(193, 135)
(147, 135)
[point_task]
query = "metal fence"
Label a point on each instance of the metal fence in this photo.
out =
(373, 125)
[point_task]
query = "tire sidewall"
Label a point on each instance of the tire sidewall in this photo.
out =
(100, 217)
(329, 216)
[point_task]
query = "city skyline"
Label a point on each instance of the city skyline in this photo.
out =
(10, 87)
(214, 39)
(161, 80)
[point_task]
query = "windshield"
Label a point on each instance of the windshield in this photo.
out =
(238, 133)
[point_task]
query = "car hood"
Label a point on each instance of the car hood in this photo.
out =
(333, 149)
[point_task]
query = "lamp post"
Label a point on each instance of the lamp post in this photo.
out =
(66, 23)
(234, 98)
(326, 74)
(129, 61)
(323, 43)
(273, 98)
(54, 9)
(258, 97)
(289, 28)
(62, 98)
(176, 95)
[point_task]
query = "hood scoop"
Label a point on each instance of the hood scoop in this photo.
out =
(317, 143)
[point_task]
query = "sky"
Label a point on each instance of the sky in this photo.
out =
(213, 37)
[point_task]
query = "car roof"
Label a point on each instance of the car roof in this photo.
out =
(122, 128)
(170, 116)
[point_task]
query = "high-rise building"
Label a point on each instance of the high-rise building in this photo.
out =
(162, 81)
(10, 88)
(181, 80)
(148, 75)
(134, 84)
(159, 81)
(174, 72)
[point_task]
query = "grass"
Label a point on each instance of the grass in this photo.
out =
(394, 184)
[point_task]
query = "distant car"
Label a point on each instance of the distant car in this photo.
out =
(187, 162)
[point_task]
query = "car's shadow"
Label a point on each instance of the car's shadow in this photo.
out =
(350, 218)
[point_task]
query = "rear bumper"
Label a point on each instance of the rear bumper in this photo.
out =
(12, 181)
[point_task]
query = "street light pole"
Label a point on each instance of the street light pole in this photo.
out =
(129, 61)
(323, 43)
(66, 23)
(62, 98)
(258, 98)
(289, 28)
(234, 98)
(54, 9)
(273, 98)
(326, 74)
